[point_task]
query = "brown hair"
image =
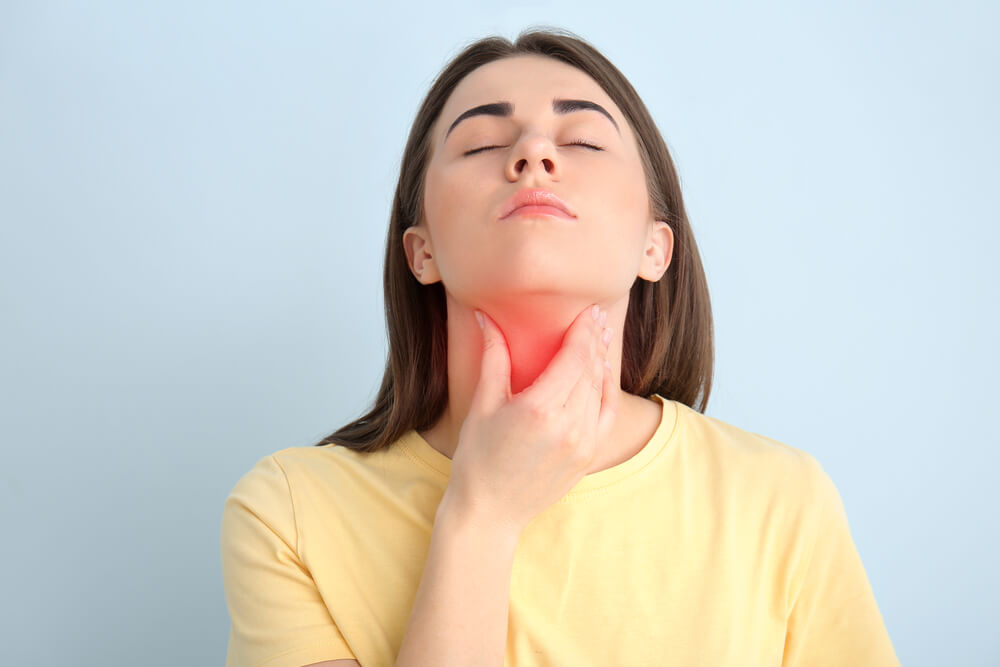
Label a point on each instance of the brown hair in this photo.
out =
(668, 346)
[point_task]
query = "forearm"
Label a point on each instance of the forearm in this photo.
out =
(459, 615)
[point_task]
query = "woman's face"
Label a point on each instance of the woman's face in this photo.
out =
(492, 263)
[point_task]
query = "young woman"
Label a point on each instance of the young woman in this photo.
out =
(537, 482)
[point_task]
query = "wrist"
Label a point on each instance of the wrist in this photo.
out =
(471, 518)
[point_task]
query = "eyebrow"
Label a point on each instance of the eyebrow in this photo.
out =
(506, 109)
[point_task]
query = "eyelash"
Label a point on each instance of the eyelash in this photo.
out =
(572, 143)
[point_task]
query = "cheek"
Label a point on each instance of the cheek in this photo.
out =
(624, 192)
(446, 195)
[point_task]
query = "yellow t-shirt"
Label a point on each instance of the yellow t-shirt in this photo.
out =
(712, 546)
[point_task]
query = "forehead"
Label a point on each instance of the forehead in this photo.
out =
(529, 82)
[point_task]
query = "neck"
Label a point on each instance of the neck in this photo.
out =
(534, 329)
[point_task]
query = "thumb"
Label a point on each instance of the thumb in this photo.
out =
(493, 389)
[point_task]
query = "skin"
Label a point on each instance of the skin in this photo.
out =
(534, 274)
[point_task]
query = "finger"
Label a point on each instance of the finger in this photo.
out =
(576, 414)
(583, 405)
(591, 405)
(493, 388)
(579, 346)
(586, 395)
(610, 396)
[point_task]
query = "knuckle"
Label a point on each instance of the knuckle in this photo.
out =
(570, 443)
(538, 411)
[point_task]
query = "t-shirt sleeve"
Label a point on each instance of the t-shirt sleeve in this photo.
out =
(834, 619)
(277, 617)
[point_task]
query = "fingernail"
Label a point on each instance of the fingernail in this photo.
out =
(479, 318)
(607, 336)
(604, 317)
(595, 312)
(607, 365)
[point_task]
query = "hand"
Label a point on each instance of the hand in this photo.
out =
(517, 455)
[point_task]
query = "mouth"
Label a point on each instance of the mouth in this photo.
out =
(533, 202)
(534, 211)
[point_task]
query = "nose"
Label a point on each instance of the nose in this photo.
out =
(532, 154)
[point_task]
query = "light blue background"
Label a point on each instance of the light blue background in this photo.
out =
(194, 201)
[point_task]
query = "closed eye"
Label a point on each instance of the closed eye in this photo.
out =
(477, 150)
(572, 143)
(587, 144)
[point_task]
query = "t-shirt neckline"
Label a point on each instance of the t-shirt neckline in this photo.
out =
(415, 445)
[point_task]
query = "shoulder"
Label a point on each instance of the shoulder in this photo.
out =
(268, 497)
(303, 475)
(752, 459)
(303, 462)
(264, 480)
(271, 479)
(265, 488)
(725, 439)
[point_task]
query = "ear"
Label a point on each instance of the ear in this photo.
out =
(420, 254)
(659, 251)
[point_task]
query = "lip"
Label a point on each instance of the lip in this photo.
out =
(540, 201)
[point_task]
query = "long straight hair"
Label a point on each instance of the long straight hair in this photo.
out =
(668, 346)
